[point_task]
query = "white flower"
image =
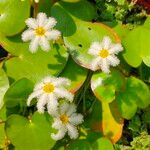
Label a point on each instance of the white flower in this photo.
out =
(48, 91)
(65, 120)
(40, 32)
(104, 53)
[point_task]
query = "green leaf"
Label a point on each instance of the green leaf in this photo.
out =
(106, 119)
(75, 73)
(12, 21)
(136, 94)
(18, 93)
(65, 12)
(137, 45)
(101, 83)
(103, 144)
(65, 22)
(45, 6)
(79, 44)
(4, 84)
(79, 145)
(32, 66)
(2, 135)
(32, 134)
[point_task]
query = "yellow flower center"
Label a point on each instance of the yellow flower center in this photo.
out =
(40, 31)
(104, 53)
(64, 118)
(48, 88)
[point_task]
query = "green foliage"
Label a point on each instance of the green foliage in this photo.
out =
(32, 133)
(107, 101)
(18, 93)
(32, 66)
(4, 84)
(12, 22)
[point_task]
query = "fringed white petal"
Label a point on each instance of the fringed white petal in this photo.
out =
(63, 108)
(53, 34)
(42, 100)
(72, 108)
(106, 42)
(41, 19)
(62, 82)
(63, 93)
(51, 22)
(115, 48)
(72, 131)
(49, 79)
(38, 86)
(52, 104)
(57, 124)
(94, 64)
(33, 95)
(94, 49)
(34, 44)
(27, 35)
(76, 119)
(113, 60)
(31, 23)
(44, 44)
(59, 135)
(104, 66)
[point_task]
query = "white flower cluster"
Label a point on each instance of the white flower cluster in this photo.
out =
(104, 54)
(48, 92)
(40, 32)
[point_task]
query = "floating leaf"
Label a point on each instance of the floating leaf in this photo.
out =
(101, 83)
(75, 73)
(18, 93)
(136, 94)
(4, 84)
(12, 21)
(65, 12)
(45, 6)
(103, 144)
(79, 44)
(34, 133)
(106, 118)
(140, 50)
(32, 66)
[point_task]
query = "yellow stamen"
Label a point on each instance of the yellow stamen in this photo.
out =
(104, 53)
(64, 118)
(48, 88)
(40, 31)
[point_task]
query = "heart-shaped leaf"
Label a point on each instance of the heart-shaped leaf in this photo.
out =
(136, 94)
(32, 66)
(101, 83)
(33, 134)
(75, 73)
(18, 93)
(12, 21)
(65, 12)
(106, 118)
(4, 84)
(79, 44)
(139, 50)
